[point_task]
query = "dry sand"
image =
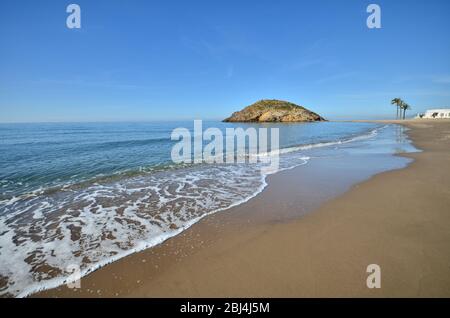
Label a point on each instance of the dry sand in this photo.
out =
(399, 220)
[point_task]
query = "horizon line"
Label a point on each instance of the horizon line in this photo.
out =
(175, 120)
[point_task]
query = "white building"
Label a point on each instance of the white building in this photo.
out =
(435, 113)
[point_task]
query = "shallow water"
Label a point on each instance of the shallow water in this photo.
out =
(88, 194)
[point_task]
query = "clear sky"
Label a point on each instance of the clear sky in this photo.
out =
(159, 60)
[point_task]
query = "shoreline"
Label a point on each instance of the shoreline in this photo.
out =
(292, 164)
(223, 256)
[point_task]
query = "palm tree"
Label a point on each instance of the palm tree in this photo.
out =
(405, 107)
(398, 102)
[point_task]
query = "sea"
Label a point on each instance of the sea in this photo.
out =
(83, 195)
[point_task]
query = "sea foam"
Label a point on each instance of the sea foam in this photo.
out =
(42, 235)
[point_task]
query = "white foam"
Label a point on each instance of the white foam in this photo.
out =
(120, 218)
(372, 133)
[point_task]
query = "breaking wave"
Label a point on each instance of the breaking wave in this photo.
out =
(94, 223)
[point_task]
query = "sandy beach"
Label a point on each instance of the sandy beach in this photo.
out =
(270, 247)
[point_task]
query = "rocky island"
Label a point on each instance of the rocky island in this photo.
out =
(273, 110)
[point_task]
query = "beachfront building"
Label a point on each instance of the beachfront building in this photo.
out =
(435, 113)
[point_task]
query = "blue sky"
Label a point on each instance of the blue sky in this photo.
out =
(159, 60)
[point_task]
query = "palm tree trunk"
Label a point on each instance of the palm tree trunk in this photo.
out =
(404, 112)
(397, 112)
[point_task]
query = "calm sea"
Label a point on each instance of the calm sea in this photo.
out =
(86, 194)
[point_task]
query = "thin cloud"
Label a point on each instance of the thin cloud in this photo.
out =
(436, 79)
(81, 82)
(230, 71)
(442, 79)
(390, 94)
(335, 77)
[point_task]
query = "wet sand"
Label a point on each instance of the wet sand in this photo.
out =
(272, 246)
